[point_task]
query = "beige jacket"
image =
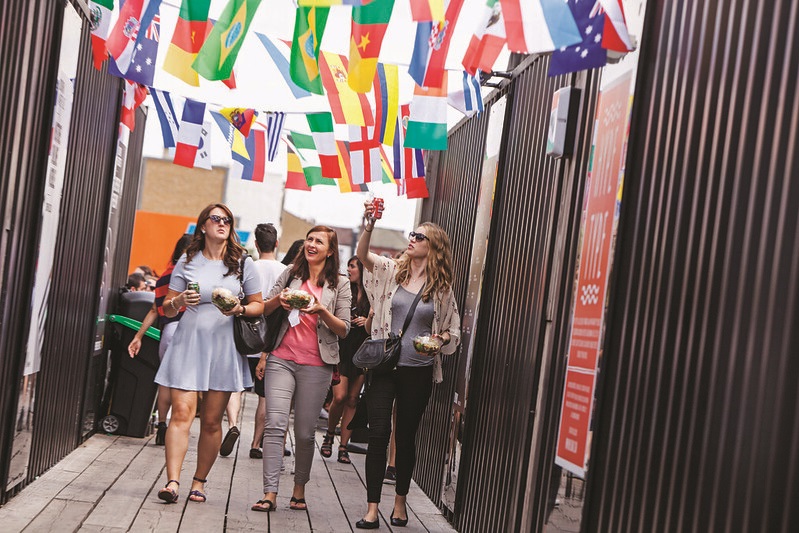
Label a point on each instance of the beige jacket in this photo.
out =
(381, 284)
(336, 300)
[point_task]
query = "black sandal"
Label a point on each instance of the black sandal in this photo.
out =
(167, 494)
(326, 450)
(268, 506)
(344, 455)
(198, 494)
(295, 503)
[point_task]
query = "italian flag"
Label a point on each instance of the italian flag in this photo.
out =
(321, 125)
(101, 22)
(427, 123)
(487, 41)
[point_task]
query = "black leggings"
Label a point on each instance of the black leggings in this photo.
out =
(411, 386)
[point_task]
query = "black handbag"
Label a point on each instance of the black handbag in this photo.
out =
(249, 332)
(382, 355)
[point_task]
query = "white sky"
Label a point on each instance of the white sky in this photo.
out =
(261, 86)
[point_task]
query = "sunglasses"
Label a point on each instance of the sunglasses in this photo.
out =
(217, 219)
(417, 237)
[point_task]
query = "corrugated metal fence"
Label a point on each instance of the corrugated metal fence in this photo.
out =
(69, 383)
(698, 417)
(525, 303)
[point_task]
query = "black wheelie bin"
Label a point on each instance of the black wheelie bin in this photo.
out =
(130, 388)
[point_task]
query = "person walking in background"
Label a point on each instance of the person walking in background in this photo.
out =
(346, 392)
(301, 366)
(202, 355)
(424, 271)
(167, 327)
(292, 252)
(270, 269)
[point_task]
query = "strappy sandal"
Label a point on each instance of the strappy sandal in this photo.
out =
(167, 494)
(264, 506)
(344, 455)
(326, 450)
(198, 495)
(295, 503)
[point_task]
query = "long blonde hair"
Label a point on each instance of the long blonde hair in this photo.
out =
(439, 262)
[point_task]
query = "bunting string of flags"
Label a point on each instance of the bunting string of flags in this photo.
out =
(362, 92)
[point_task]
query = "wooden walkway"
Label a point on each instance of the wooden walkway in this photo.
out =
(110, 483)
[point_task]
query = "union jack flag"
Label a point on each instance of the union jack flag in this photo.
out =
(154, 30)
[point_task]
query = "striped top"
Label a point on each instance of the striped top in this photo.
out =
(161, 290)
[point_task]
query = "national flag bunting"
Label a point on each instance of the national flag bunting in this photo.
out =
(364, 155)
(126, 35)
(274, 127)
(309, 25)
(487, 41)
(132, 98)
(431, 45)
(309, 158)
(538, 26)
(427, 10)
(280, 59)
(386, 91)
(100, 13)
(614, 35)
(142, 63)
(369, 25)
(328, 3)
(321, 125)
(166, 116)
(190, 133)
(588, 53)
(427, 124)
(190, 31)
(467, 97)
(408, 162)
(345, 184)
(215, 59)
(234, 137)
(348, 107)
(253, 167)
(295, 177)
(388, 172)
(414, 188)
(241, 118)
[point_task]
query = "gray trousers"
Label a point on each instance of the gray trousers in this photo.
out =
(284, 380)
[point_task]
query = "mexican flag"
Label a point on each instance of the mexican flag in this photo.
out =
(487, 41)
(100, 11)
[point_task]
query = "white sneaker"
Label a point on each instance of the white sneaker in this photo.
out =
(323, 414)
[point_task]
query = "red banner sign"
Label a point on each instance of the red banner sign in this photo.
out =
(610, 137)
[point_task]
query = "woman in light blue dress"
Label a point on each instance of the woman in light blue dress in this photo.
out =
(202, 355)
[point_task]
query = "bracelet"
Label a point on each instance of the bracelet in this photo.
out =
(367, 230)
(172, 304)
(243, 310)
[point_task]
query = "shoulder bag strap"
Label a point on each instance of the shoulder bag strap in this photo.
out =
(410, 312)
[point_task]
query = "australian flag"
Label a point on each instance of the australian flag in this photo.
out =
(142, 63)
(588, 54)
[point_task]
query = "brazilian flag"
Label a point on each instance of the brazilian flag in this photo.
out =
(309, 25)
(220, 50)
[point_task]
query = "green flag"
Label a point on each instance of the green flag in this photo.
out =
(309, 25)
(309, 159)
(217, 56)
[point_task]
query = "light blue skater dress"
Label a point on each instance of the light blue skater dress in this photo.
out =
(202, 355)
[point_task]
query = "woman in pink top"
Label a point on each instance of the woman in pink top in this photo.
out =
(301, 366)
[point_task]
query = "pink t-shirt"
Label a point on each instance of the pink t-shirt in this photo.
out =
(300, 344)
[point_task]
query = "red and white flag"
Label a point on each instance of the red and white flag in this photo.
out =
(131, 100)
(192, 146)
(614, 35)
(365, 155)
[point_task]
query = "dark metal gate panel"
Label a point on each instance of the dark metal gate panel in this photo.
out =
(29, 36)
(79, 254)
(698, 418)
(454, 181)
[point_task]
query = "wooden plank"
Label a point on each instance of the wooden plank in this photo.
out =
(92, 483)
(325, 511)
(60, 515)
(120, 504)
(426, 511)
(20, 511)
(85, 454)
(154, 514)
(247, 479)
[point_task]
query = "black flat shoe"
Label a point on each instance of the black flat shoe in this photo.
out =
(398, 522)
(365, 524)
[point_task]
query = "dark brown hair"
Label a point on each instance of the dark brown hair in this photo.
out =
(233, 248)
(301, 270)
(359, 299)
